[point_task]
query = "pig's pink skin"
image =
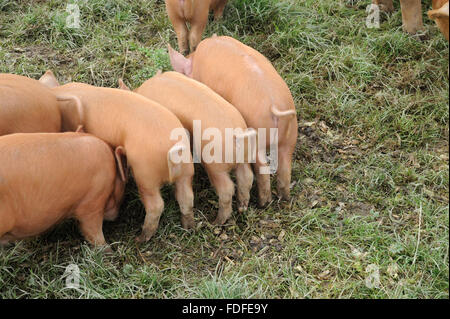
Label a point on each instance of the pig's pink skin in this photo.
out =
(143, 128)
(48, 177)
(247, 80)
(27, 106)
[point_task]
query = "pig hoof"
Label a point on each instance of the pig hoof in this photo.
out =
(243, 208)
(108, 250)
(188, 223)
(264, 201)
(219, 221)
(143, 238)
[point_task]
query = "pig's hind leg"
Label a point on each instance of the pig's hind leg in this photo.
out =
(90, 214)
(262, 175)
(244, 181)
(154, 206)
(6, 225)
(225, 190)
(185, 198)
(284, 171)
(196, 32)
(182, 32)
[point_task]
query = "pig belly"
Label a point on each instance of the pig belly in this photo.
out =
(24, 225)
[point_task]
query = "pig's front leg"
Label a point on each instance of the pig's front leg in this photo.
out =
(6, 225)
(154, 206)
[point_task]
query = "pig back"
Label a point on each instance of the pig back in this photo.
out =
(244, 77)
(26, 106)
(191, 100)
(118, 116)
(122, 118)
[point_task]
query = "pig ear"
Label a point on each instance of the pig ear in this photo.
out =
(439, 13)
(119, 153)
(49, 79)
(123, 86)
(80, 129)
(179, 62)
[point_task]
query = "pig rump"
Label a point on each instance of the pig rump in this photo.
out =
(49, 177)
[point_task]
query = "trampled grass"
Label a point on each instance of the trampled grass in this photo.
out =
(370, 194)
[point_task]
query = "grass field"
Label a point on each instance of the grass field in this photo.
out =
(369, 215)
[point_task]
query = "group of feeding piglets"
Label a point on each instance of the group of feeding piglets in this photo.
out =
(47, 176)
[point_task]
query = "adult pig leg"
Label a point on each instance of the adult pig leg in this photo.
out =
(91, 225)
(411, 15)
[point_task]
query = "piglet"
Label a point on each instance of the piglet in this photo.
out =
(151, 138)
(193, 101)
(27, 106)
(196, 13)
(48, 177)
(247, 80)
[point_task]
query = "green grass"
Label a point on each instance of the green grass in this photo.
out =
(370, 171)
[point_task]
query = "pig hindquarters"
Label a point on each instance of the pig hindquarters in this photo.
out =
(143, 129)
(247, 80)
(48, 177)
(193, 101)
